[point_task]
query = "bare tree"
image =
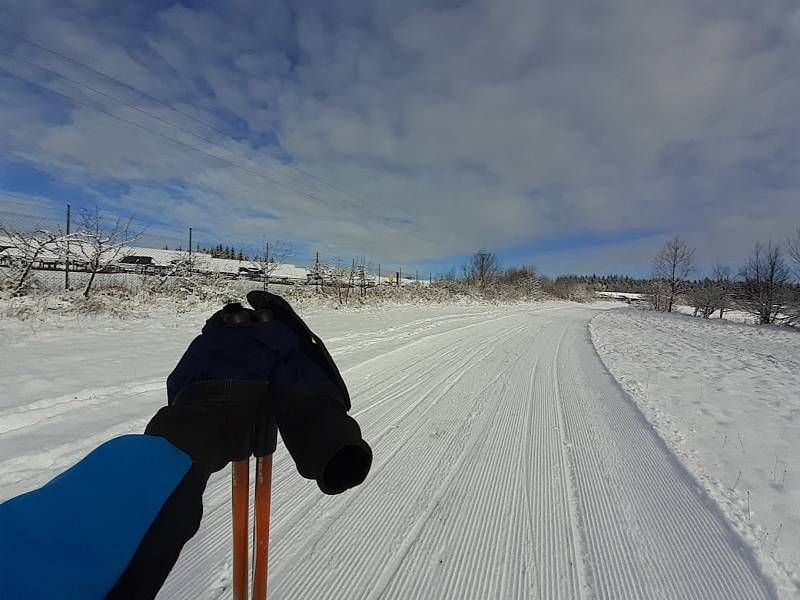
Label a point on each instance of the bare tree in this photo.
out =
(658, 292)
(481, 269)
(101, 245)
(721, 275)
(672, 266)
(274, 255)
(25, 249)
(765, 291)
(706, 297)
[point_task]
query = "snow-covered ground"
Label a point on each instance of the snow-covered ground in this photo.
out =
(726, 398)
(508, 462)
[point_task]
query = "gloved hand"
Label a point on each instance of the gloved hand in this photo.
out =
(249, 367)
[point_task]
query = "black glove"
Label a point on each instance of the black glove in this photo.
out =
(252, 366)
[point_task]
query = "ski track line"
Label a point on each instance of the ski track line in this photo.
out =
(19, 420)
(373, 421)
(442, 387)
(388, 421)
(370, 338)
(422, 469)
(480, 496)
(39, 411)
(227, 541)
(428, 338)
(222, 535)
(568, 482)
(437, 504)
(605, 544)
(428, 468)
(693, 552)
(554, 547)
(34, 413)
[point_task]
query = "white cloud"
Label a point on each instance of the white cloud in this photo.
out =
(485, 123)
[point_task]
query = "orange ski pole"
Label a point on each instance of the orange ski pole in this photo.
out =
(263, 504)
(240, 476)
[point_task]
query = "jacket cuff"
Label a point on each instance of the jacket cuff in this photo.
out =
(198, 431)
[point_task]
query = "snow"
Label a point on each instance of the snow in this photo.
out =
(726, 398)
(737, 316)
(622, 295)
(508, 462)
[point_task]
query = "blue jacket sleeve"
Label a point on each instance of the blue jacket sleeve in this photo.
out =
(77, 535)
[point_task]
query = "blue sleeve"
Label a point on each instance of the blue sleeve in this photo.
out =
(76, 535)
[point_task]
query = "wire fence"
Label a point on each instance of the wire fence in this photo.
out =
(32, 216)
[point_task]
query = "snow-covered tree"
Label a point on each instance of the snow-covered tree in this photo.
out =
(100, 244)
(25, 249)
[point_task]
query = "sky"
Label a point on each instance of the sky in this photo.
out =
(577, 136)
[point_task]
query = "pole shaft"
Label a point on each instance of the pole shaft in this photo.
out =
(240, 476)
(263, 505)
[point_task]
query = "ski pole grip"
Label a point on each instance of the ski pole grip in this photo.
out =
(266, 427)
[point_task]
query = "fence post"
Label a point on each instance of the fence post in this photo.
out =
(190, 249)
(66, 265)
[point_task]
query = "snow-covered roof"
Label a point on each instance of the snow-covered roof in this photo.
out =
(162, 257)
(290, 272)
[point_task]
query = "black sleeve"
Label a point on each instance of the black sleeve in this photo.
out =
(177, 522)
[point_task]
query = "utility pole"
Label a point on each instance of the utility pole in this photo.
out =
(379, 273)
(316, 273)
(66, 266)
(190, 249)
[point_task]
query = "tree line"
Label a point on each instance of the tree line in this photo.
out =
(766, 286)
(218, 251)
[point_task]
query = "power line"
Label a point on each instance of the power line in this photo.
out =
(364, 203)
(166, 137)
(161, 119)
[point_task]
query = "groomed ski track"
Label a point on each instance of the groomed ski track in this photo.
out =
(508, 464)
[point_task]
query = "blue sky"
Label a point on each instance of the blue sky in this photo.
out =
(574, 136)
